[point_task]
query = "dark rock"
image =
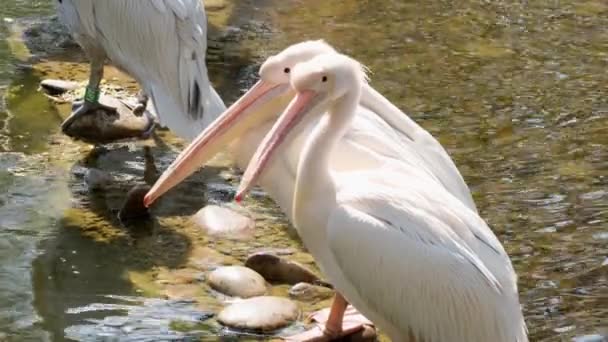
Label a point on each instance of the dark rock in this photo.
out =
(106, 125)
(260, 314)
(133, 206)
(237, 281)
(278, 270)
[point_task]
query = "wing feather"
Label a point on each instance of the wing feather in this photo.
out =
(411, 268)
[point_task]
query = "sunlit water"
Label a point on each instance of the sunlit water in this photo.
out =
(514, 90)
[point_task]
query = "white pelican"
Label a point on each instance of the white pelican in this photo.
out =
(404, 251)
(380, 131)
(160, 43)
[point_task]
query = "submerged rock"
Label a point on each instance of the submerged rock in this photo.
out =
(260, 314)
(310, 293)
(278, 270)
(133, 207)
(97, 180)
(224, 222)
(117, 122)
(237, 281)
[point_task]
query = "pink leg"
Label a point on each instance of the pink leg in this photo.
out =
(339, 321)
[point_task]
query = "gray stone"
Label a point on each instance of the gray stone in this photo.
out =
(278, 270)
(224, 222)
(58, 87)
(260, 314)
(237, 281)
(310, 293)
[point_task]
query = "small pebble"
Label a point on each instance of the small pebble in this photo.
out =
(237, 281)
(310, 293)
(224, 222)
(278, 270)
(260, 314)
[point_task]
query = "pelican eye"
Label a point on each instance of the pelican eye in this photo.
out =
(287, 70)
(324, 79)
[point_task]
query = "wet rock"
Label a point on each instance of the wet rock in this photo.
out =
(237, 281)
(97, 180)
(58, 87)
(605, 263)
(116, 122)
(133, 207)
(278, 270)
(224, 222)
(310, 293)
(260, 314)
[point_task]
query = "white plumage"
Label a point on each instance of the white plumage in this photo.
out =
(160, 43)
(380, 132)
(404, 251)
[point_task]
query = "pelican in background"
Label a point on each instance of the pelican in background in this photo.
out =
(160, 43)
(403, 250)
(379, 132)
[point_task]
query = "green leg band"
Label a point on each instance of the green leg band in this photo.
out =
(92, 95)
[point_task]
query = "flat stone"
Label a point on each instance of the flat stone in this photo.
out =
(58, 87)
(260, 314)
(223, 222)
(237, 281)
(109, 125)
(133, 206)
(278, 270)
(310, 293)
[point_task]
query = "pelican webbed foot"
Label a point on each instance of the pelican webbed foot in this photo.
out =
(337, 323)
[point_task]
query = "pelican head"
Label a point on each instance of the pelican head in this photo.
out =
(318, 84)
(262, 102)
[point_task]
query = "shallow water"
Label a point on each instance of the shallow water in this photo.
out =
(513, 89)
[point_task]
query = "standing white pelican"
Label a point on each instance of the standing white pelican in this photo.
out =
(380, 131)
(160, 43)
(399, 247)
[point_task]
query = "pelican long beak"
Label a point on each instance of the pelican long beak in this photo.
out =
(236, 120)
(303, 103)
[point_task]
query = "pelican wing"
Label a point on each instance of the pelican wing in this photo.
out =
(414, 269)
(163, 44)
(422, 142)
